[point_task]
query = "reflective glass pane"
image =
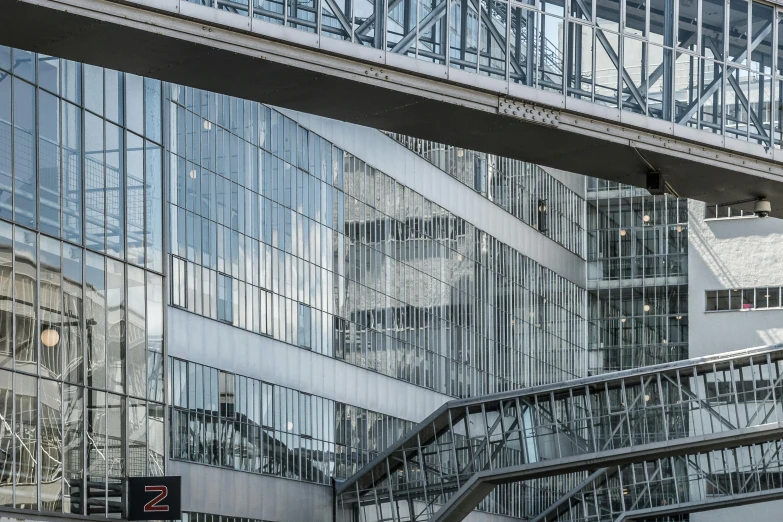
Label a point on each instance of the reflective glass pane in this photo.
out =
(95, 316)
(51, 302)
(6, 295)
(71, 172)
(73, 310)
(49, 162)
(712, 35)
(26, 431)
(26, 299)
(25, 178)
(73, 448)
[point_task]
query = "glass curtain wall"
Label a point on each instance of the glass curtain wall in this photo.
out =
(277, 231)
(81, 285)
(524, 190)
(272, 229)
(223, 419)
(637, 272)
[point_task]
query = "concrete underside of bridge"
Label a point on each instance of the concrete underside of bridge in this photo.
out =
(171, 45)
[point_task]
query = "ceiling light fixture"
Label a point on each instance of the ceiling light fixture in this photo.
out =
(50, 337)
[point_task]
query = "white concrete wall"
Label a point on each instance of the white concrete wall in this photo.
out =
(728, 254)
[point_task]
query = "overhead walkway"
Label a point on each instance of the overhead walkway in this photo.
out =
(675, 485)
(669, 422)
(690, 89)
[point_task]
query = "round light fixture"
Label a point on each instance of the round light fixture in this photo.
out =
(50, 337)
(646, 218)
(646, 398)
(192, 174)
(646, 308)
(289, 425)
(678, 317)
(665, 341)
(460, 153)
(623, 232)
(679, 228)
(623, 320)
(207, 125)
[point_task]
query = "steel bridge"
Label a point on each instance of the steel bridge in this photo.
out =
(674, 438)
(691, 89)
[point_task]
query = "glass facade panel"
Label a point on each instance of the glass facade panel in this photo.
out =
(76, 297)
(270, 429)
(513, 185)
(353, 265)
(637, 274)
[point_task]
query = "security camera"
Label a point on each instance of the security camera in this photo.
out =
(762, 208)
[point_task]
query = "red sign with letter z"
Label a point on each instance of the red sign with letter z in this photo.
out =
(154, 498)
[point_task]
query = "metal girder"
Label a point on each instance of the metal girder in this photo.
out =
(338, 13)
(616, 61)
(479, 5)
(365, 26)
(584, 498)
(659, 69)
(299, 66)
(593, 390)
(738, 89)
(704, 404)
(713, 87)
(675, 486)
(424, 25)
(565, 502)
(707, 504)
(470, 495)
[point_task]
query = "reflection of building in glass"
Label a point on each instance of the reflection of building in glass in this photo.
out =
(519, 188)
(81, 339)
(414, 291)
(305, 243)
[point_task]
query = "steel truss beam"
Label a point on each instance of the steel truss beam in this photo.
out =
(308, 64)
(712, 88)
(566, 504)
(677, 485)
(466, 448)
(470, 495)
